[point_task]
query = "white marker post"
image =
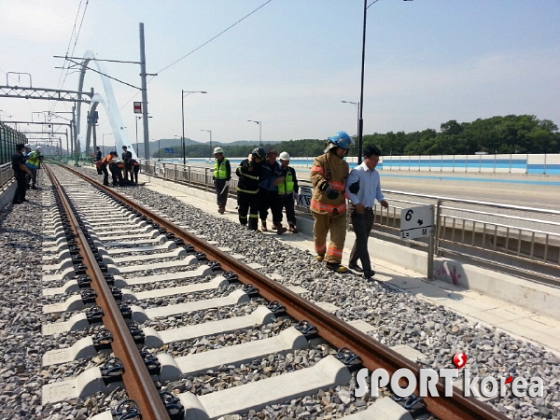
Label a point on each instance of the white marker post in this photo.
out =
(417, 222)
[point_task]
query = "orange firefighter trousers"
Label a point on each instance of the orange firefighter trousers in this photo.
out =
(336, 224)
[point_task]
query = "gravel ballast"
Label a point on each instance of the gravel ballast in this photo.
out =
(397, 318)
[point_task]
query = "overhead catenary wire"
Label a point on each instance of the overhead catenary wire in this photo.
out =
(201, 46)
(77, 32)
(214, 37)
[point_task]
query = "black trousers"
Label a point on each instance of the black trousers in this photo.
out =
(21, 188)
(105, 174)
(221, 198)
(362, 224)
(117, 175)
(134, 173)
(248, 203)
(287, 202)
(127, 170)
(270, 200)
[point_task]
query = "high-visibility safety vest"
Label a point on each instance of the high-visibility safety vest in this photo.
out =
(33, 160)
(220, 170)
(287, 186)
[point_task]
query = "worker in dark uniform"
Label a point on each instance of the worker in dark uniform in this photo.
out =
(135, 168)
(116, 167)
(20, 173)
(268, 194)
(221, 177)
(98, 159)
(126, 158)
(248, 188)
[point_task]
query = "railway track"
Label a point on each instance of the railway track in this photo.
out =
(136, 298)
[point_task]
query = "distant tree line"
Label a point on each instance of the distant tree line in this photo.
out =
(501, 135)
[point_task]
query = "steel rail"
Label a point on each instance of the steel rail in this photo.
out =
(338, 333)
(137, 380)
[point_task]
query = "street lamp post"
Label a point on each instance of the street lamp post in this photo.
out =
(361, 103)
(209, 131)
(183, 94)
(260, 130)
(357, 105)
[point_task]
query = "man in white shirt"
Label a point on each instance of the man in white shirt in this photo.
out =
(363, 188)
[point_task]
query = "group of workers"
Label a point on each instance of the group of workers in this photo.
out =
(117, 166)
(263, 184)
(25, 163)
(266, 184)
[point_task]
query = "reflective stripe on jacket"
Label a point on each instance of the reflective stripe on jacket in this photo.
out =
(334, 170)
(33, 160)
(248, 180)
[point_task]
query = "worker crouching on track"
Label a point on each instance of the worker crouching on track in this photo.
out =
(288, 190)
(116, 167)
(134, 169)
(106, 162)
(248, 172)
(328, 203)
(221, 177)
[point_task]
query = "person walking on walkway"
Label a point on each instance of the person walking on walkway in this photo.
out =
(363, 188)
(248, 172)
(288, 190)
(221, 177)
(328, 203)
(20, 173)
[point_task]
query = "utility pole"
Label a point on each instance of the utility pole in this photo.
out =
(143, 75)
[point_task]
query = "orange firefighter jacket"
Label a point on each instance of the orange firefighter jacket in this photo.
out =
(334, 170)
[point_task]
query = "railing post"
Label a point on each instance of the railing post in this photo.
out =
(430, 273)
(437, 232)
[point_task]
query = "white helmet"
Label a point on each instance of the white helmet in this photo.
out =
(285, 156)
(27, 146)
(218, 150)
(39, 149)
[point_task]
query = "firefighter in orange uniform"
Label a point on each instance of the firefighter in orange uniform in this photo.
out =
(328, 203)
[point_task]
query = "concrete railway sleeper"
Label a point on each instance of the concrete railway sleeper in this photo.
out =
(198, 293)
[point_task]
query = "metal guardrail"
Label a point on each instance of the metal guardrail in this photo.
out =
(6, 174)
(524, 239)
(514, 238)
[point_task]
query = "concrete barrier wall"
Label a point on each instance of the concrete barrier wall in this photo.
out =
(543, 164)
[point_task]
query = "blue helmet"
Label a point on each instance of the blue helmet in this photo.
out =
(342, 139)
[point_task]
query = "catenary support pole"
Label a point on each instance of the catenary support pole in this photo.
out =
(144, 92)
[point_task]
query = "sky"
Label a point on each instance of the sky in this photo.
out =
(290, 63)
